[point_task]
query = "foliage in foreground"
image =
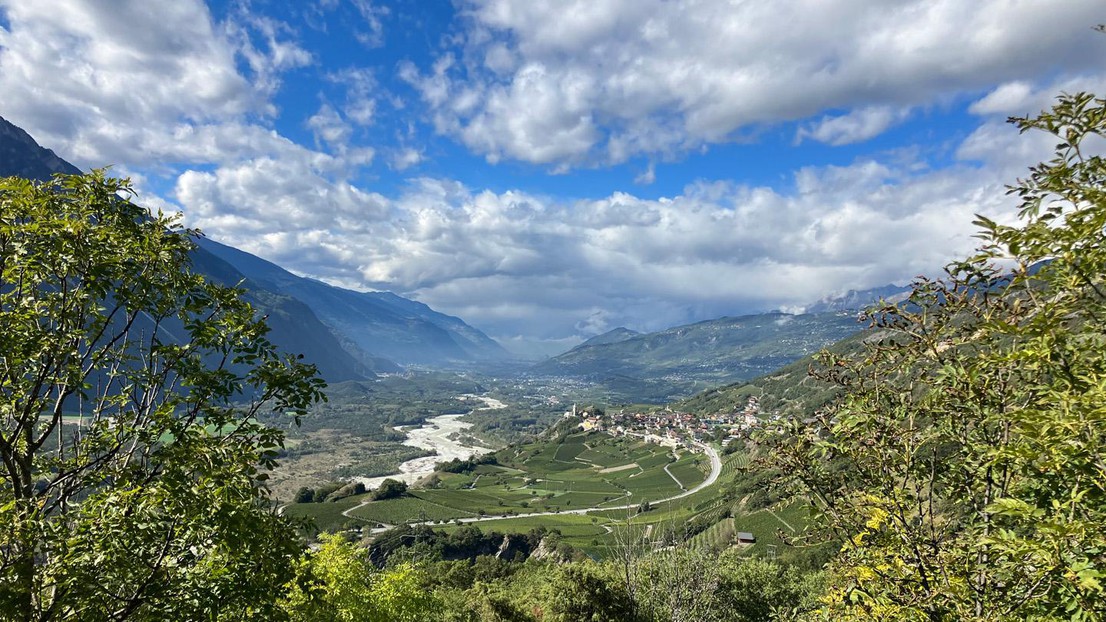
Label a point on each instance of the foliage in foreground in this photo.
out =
(129, 442)
(339, 582)
(964, 469)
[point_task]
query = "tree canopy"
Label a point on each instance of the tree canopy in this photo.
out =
(132, 461)
(963, 473)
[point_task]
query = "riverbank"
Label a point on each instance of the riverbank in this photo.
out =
(440, 435)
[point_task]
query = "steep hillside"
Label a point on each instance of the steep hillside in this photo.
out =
(381, 324)
(685, 358)
(21, 156)
(294, 327)
(787, 391)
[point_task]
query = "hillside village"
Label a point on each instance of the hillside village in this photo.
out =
(674, 428)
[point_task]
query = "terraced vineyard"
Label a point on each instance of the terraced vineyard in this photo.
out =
(580, 471)
(558, 479)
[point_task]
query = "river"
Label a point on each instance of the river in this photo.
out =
(435, 436)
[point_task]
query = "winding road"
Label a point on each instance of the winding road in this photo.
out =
(715, 472)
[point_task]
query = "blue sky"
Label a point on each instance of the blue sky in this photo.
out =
(551, 170)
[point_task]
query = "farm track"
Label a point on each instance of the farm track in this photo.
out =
(674, 478)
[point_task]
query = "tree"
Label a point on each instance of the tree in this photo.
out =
(963, 471)
(390, 489)
(131, 454)
(587, 592)
(337, 583)
(304, 495)
(752, 589)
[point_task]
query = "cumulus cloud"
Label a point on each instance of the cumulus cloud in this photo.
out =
(856, 126)
(328, 126)
(1005, 98)
(287, 210)
(121, 82)
(568, 83)
(519, 263)
(1020, 98)
(170, 92)
(405, 158)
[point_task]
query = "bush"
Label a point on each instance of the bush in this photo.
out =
(390, 489)
(304, 495)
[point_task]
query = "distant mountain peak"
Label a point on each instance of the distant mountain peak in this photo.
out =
(611, 336)
(857, 300)
(21, 156)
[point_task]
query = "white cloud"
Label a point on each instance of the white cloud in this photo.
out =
(405, 158)
(516, 263)
(288, 210)
(1020, 98)
(372, 16)
(360, 85)
(1004, 99)
(329, 127)
(568, 83)
(124, 82)
(856, 126)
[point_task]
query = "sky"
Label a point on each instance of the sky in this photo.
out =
(550, 170)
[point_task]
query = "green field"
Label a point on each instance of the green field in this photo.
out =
(423, 509)
(583, 470)
(325, 516)
(537, 477)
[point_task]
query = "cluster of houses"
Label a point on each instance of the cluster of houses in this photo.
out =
(670, 427)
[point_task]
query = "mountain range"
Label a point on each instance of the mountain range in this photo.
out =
(673, 362)
(349, 335)
(381, 323)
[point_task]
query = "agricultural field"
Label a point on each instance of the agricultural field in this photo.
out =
(558, 480)
(578, 471)
(323, 516)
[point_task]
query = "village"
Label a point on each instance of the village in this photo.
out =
(673, 428)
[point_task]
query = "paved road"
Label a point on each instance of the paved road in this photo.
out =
(715, 471)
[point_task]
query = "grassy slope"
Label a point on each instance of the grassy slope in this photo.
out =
(787, 391)
(536, 477)
(716, 351)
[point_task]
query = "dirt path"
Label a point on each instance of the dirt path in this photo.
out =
(678, 482)
(780, 518)
(616, 469)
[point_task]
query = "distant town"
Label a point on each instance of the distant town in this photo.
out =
(673, 428)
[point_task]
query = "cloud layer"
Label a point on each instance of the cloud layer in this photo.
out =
(545, 268)
(237, 120)
(143, 83)
(570, 83)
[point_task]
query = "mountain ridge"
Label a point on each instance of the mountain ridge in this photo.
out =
(693, 356)
(343, 350)
(381, 324)
(859, 299)
(612, 336)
